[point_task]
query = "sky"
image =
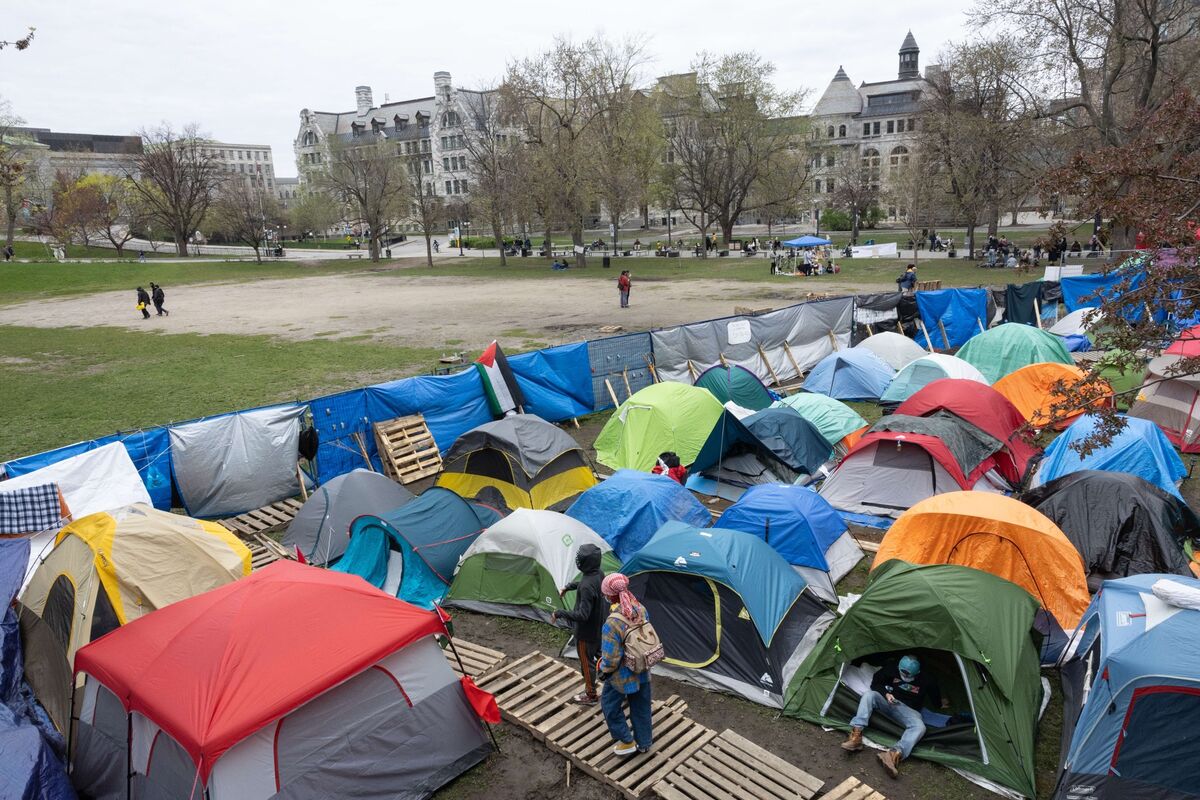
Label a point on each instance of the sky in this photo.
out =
(243, 70)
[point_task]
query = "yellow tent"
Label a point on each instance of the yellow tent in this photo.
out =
(112, 567)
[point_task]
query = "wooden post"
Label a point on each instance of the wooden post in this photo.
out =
(945, 338)
(724, 363)
(575, 422)
(899, 327)
(362, 448)
(770, 369)
(792, 359)
(692, 370)
(611, 393)
(981, 328)
(870, 330)
(833, 341)
(628, 390)
(1037, 313)
(303, 488)
(924, 330)
(650, 366)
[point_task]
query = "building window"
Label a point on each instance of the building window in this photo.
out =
(871, 160)
(841, 131)
(829, 131)
(829, 160)
(445, 142)
(912, 124)
(429, 189)
(899, 126)
(447, 187)
(408, 148)
(829, 186)
(898, 157)
(446, 164)
(891, 126)
(428, 166)
(875, 128)
(464, 187)
(866, 129)
(450, 118)
(817, 186)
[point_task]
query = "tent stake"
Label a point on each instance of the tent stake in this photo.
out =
(770, 369)
(611, 393)
(721, 356)
(792, 359)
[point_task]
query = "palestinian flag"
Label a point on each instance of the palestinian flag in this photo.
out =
(504, 395)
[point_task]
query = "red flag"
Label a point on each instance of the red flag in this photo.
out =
(482, 702)
(300, 555)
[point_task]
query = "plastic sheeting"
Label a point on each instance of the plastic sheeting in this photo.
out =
(94, 480)
(809, 331)
(237, 462)
(556, 382)
(962, 312)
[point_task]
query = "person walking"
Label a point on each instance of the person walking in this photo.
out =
(899, 691)
(907, 282)
(436, 245)
(586, 618)
(159, 297)
(621, 684)
(142, 256)
(624, 284)
(143, 302)
(9, 252)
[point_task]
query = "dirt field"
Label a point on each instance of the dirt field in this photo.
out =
(416, 311)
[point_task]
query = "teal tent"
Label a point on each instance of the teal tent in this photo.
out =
(737, 384)
(1008, 347)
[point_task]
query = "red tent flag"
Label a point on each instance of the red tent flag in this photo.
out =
(484, 704)
(503, 391)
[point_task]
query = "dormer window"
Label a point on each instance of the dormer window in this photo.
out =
(400, 121)
(357, 128)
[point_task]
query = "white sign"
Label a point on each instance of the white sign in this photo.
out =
(579, 249)
(738, 331)
(887, 250)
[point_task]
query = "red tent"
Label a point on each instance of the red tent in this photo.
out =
(215, 668)
(1188, 344)
(935, 447)
(986, 409)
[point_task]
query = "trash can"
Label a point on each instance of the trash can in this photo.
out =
(606, 262)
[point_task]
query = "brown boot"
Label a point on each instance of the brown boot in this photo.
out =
(891, 762)
(854, 743)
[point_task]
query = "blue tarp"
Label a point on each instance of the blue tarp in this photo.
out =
(962, 312)
(796, 521)
(556, 382)
(852, 374)
(1087, 291)
(1141, 449)
(749, 566)
(807, 241)
(628, 507)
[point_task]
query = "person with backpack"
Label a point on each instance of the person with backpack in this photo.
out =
(159, 297)
(629, 648)
(587, 618)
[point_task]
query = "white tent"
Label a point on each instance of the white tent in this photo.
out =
(924, 371)
(1078, 322)
(892, 348)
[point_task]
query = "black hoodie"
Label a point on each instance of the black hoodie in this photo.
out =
(590, 611)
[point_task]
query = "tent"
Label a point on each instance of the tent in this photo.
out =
(987, 410)
(519, 566)
(1187, 344)
(973, 631)
(903, 460)
(321, 528)
(628, 507)
(732, 614)
(924, 371)
(1078, 323)
(775, 445)
(802, 528)
(1140, 448)
(737, 384)
(807, 241)
(113, 567)
(1033, 390)
(995, 534)
(1120, 524)
(1008, 347)
(895, 350)
(411, 552)
(662, 417)
(849, 375)
(532, 463)
(295, 682)
(838, 423)
(1131, 693)
(1171, 401)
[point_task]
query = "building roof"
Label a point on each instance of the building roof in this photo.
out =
(909, 43)
(840, 98)
(339, 122)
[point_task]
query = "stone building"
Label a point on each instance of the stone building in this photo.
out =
(251, 160)
(287, 191)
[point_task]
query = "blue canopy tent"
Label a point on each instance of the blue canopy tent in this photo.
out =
(807, 241)
(803, 528)
(775, 445)
(629, 506)
(1141, 449)
(411, 552)
(1131, 692)
(732, 613)
(850, 375)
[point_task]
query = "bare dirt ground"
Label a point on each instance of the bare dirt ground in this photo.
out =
(414, 311)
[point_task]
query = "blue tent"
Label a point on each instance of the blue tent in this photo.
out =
(412, 551)
(1141, 449)
(802, 527)
(629, 506)
(776, 434)
(807, 241)
(1131, 694)
(852, 374)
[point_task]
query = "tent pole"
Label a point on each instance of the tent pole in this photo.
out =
(833, 341)
(362, 448)
(462, 667)
(128, 755)
(770, 369)
(870, 330)
(71, 718)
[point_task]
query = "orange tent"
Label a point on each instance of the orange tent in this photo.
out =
(1032, 390)
(994, 533)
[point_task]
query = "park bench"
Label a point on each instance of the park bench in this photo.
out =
(355, 255)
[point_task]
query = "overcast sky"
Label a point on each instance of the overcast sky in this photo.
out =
(243, 69)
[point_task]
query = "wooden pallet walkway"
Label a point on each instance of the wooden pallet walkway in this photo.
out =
(852, 789)
(731, 766)
(269, 518)
(407, 449)
(477, 659)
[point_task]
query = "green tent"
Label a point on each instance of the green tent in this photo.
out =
(519, 566)
(1008, 347)
(833, 418)
(973, 630)
(662, 417)
(737, 384)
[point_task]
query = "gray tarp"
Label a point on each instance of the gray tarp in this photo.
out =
(528, 438)
(968, 444)
(237, 462)
(808, 329)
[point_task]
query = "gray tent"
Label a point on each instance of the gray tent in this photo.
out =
(321, 529)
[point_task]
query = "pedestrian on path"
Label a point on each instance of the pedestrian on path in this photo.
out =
(142, 256)
(436, 245)
(159, 297)
(624, 284)
(622, 683)
(9, 252)
(587, 618)
(143, 302)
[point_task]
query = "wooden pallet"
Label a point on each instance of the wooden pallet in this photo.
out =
(269, 518)
(477, 659)
(407, 449)
(852, 789)
(264, 550)
(732, 766)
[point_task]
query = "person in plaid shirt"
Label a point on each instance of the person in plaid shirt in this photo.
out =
(621, 684)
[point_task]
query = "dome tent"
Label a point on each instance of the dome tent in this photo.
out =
(1006, 348)
(662, 417)
(924, 371)
(519, 566)
(837, 422)
(732, 614)
(849, 375)
(737, 384)
(1171, 401)
(973, 631)
(895, 350)
(532, 463)
(799, 525)
(775, 445)
(1140, 449)
(1033, 390)
(321, 528)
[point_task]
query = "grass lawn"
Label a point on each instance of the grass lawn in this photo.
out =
(37, 251)
(59, 386)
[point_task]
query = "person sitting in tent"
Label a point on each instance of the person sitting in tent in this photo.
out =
(668, 464)
(900, 691)
(908, 281)
(621, 683)
(587, 618)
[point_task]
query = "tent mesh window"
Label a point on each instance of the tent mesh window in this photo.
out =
(1140, 754)
(59, 612)
(494, 464)
(104, 616)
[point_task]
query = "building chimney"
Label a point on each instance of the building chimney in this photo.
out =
(442, 83)
(362, 99)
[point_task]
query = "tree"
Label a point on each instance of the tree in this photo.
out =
(783, 186)
(176, 179)
(426, 209)
(15, 161)
(246, 212)
(914, 188)
(371, 181)
(315, 213)
(856, 187)
(492, 161)
(691, 176)
(19, 44)
(117, 210)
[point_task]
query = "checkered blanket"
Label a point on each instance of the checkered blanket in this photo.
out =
(30, 510)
